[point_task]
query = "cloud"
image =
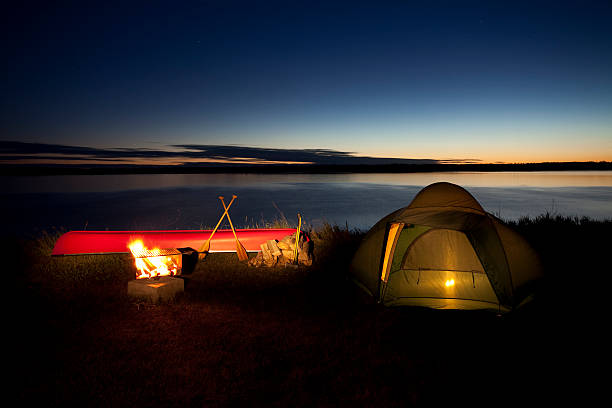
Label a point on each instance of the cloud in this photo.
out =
(20, 153)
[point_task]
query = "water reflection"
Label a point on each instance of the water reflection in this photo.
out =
(105, 183)
(356, 200)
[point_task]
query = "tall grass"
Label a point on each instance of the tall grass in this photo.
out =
(575, 253)
(577, 245)
(566, 244)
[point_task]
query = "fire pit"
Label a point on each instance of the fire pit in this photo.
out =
(156, 290)
(157, 270)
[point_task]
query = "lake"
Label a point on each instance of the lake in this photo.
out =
(189, 201)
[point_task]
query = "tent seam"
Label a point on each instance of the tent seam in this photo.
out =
(506, 260)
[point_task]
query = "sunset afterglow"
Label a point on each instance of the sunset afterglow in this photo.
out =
(479, 83)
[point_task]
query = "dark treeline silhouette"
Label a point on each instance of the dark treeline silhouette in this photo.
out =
(14, 169)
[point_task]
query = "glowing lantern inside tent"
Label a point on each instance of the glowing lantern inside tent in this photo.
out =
(449, 283)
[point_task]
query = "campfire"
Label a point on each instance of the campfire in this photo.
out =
(156, 262)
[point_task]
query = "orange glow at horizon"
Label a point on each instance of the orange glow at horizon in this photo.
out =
(490, 158)
(445, 152)
(512, 157)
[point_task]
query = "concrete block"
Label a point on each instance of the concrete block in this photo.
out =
(163, 289)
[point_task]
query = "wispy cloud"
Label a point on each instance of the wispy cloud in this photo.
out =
(20, 153)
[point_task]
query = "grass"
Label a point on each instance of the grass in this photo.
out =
(290, 337)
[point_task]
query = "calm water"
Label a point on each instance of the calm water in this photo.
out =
(176, 201)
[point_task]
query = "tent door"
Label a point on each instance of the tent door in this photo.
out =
(391, 242)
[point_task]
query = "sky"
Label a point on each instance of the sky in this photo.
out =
(187, 82)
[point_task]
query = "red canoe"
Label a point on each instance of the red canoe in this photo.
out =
(106, 242)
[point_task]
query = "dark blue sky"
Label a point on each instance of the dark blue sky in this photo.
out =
(492, 81)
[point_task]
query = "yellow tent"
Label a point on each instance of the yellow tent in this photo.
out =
(444, 251)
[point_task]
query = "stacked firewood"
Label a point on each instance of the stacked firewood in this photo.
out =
(279, 253)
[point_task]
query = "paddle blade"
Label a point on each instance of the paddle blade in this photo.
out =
(205, 246)
(241, 252)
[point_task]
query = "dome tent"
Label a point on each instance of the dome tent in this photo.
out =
(444, 251)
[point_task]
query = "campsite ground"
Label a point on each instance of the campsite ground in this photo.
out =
(292, 337)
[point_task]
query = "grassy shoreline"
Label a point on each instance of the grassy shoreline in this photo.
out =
(285, 336)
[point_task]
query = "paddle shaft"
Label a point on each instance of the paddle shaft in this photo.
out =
(228, 217)
(206, 246)
(297, 238)
(240, 251)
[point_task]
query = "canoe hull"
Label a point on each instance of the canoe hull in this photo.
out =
(107, 242)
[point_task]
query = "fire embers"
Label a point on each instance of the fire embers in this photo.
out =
(283, 252)
(153, 263)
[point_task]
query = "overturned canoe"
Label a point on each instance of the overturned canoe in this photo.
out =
(107, 242)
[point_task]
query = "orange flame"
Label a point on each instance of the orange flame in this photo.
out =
(152, 266)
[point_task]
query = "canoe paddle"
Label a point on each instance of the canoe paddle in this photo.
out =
(206, 245)
(297, 239)
(240, 251)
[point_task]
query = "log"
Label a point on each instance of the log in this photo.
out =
(274, 249)
(288, 241)
(257, 260)
(281, 253)
(283, 245)
(268, 258)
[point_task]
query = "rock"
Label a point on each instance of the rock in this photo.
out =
(305, 253)
(304, 258)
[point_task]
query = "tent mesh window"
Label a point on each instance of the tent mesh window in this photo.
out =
(438, 263)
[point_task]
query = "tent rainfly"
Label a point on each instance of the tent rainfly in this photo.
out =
(444, 251)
